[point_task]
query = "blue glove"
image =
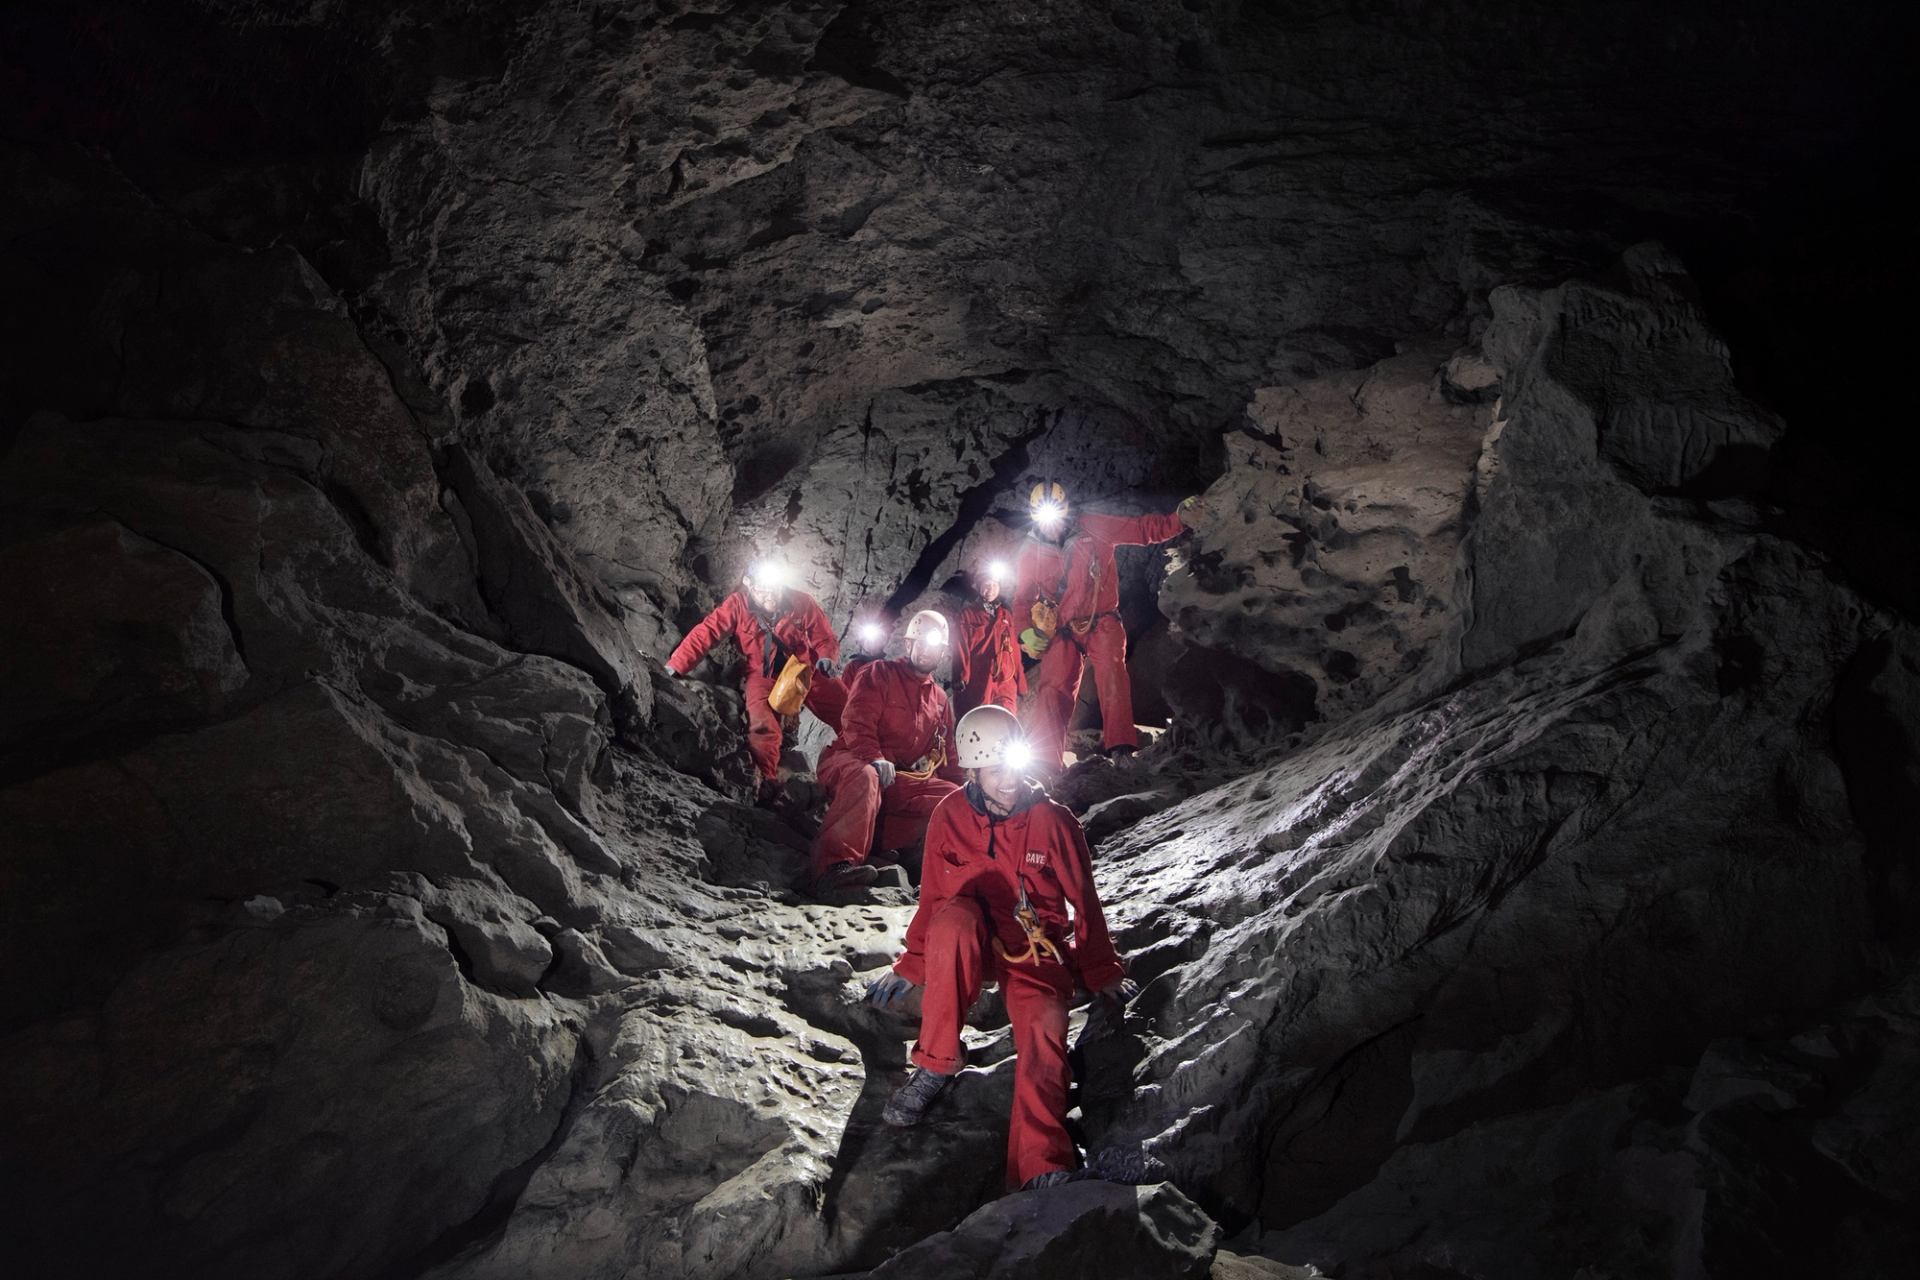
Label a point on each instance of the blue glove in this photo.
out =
(888, 990)
(824, 666)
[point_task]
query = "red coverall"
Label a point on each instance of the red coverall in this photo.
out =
(1079, 577)
(892, 713)
(986, 662)
(967, 898)
(801, 630)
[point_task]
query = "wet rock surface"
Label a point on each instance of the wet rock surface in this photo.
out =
(1523, 885)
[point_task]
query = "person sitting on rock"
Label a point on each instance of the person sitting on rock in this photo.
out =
(891, 763)
(1067, 588)
(770, 622)
(986, 661)
(1007, 896)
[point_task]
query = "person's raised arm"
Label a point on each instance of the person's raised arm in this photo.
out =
(721, 622)
(1134, 531)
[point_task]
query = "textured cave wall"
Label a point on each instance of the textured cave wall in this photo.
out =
(395, 380)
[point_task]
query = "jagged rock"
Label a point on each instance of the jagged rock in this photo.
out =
(1084, 1229)
(1737, 1180)
(1326, 553)
(122, 631)
(1609, 396)
(388, 385)
(234, 1098)
(1228, 1265)
(1513, 857)
(747, 845)
(491, 932)
(1109, 816)
(547, 603)
(700, 729)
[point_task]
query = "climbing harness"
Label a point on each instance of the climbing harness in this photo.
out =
(926, 765)
(1039, 945)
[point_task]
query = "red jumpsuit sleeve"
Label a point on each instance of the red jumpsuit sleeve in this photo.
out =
(964, 631)
(951, 770)
(1094, 955)
(1134, 531)
(860, 722)
(1026, 588)
(720, 622)
(1011, 640)
(820, 633)
(912, 964)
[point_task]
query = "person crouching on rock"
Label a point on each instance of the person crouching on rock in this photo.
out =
(773, 624)
(1003, 865)
(892, 762)
(986, 661)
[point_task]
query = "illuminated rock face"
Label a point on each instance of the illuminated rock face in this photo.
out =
(1522, 884)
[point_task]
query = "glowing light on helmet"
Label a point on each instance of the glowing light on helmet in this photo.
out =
(1017, 755)
(998, 571)
(871, 634)
(928, 627)
(768, 575)
(1049, 514)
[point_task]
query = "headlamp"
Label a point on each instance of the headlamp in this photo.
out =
(768, 575)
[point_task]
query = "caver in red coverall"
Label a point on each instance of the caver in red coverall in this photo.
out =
(799, 629)
(986, 662)
(896, 713)
(1078, 575)
(969, 886)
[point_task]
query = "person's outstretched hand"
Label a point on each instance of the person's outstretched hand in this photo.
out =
(886, 771)
(888, 990)
(824, 666)
(1117, 995)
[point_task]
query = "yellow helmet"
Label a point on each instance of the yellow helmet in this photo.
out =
(1047, 505)
(1045, 492)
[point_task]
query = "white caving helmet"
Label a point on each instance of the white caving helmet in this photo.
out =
(929, 626)
(990, 735)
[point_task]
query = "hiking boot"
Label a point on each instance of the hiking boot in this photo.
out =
(1131, 1165)
(909, 1103)
(1120, 752)
(844, 877)
(891, 878)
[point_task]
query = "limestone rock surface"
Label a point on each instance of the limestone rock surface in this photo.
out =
(1526, 882)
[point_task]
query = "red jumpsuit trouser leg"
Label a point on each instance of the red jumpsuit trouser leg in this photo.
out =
(905, 808)
(956, 968)
(827, 699)
(1037, 1140)
(763, 728)
(1056, 687)
(1107, 654)
(853, 807)
(958, 962)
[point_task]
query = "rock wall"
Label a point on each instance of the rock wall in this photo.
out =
(388, 384)
(1453, 963)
